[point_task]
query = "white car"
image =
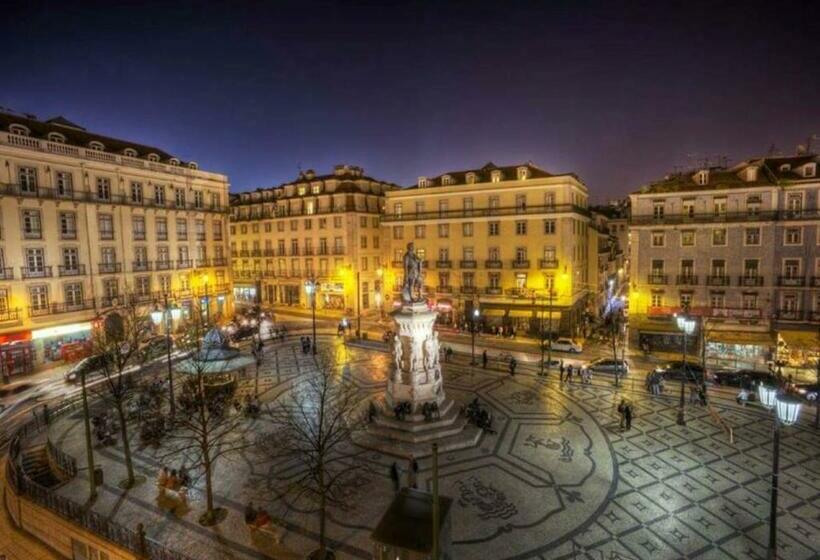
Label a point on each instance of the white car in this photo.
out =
(566, 345)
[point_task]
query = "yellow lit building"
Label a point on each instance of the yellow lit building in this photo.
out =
(318, 227)
(91, 222)
(502, 240)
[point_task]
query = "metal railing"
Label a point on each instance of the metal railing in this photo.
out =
(7, 273)
(520, 263)
(548, 263)
(184, 263)
(687, 280)
(141, 266)
(76, 270)
(750, 281)
(110, 268)
(723, 217)
(35, 271)
(791, 281)
(10, 315)
(469, 263)
(483, 212)
(657, 279)
(492, 263)
(444, 264)
(718, 280)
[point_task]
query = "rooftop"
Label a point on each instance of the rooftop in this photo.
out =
(484, 175)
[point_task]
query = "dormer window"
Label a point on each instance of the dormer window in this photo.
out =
(495, 176)
(316, 188)
(446, 180)
(173, 161)
(702, 177)
(19, 130)
(785, 167)
(523, 173)
(751, 173)
(810, 170)
(301, 191)
(471, 177)
(153, 157)
(130, 152)
(96, 146)
(56, 137)
(193, 165)
(422, 182)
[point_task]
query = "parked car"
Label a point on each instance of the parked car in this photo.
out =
(608, 365)
(14, 388)
(745, 378)
(92, 365)
(566, 345)
(809, 391)
(677, 369)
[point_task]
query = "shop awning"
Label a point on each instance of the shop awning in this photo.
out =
(520, 313)
(492, 312)
(662, 327)
(745, 338)
(800, 340)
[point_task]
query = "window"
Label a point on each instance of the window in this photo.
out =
(159, 195)
(143, 285)
(162, 229)
(468, 254)
(443, 254)
(32, 225)
(753, 202)
(793, 236)
(308, 224)
(719, 206)
(494, 254)
(364, 264)
(375, 241)
(322, 223)
(165, 284)
(65, 183)
(493, 228)
(108, 255)
(687, 238)
(301, 191)
(494, 204)
(751, 268)
(363, 242)
(656, 300)
(136, 193)
(549, 227)
(182, 255)
(467, 203)
(467, 229)
(27, 177)
(719, 268)
(689, 207)
(398, 232)
(316, 189)
(96, 146)
(687, 268)
(494, 280)
(520, 254)
(182, 229)
(520, 203)
(702, 177)
(35, 262)
(719, 237)
(657, 267)
(73, 294)
(752, 236)
(38, 297)
(523, 173)
(468, 279)
(420, 231)
(18, 130)
(686, 300)
(657, 210)
(794, 203)
(106, 226)
(749, 301)
(140, 257)
(111, 290)
(443, 279)
(200, 230)
(791, 268)
(103, 188)
(521, 228)
(199, 200)
(444, 230)
(549, 200)
(68, 225)
(658, 239)
(495, 176)
(179, 198)
(717, 300)
(280, 226)
(294, 225)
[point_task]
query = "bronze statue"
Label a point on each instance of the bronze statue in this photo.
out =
(412, 276)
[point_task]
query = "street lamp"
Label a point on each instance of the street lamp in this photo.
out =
(171, 314)
(473, 320)
(687, 327)
(310, 289)
(204, 279)
(787, 410)
(378, 296)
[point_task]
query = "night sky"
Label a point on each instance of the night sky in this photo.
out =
(618, 93)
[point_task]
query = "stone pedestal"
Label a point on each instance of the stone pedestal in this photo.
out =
(416, 379)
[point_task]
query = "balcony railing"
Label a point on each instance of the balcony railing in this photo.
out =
(788, 315)
(687, 280)
(338, 250)
(141, 266)
(761, 216)
(35, 271)
(467, 290)
(75, 270)
(520, 263)
(269, 253)
(469, 263)
(202, 263)
(110, 268)
(750, 281)
(396, 264)
(10, 315)
(493, 291)
(55, 308)
(138, 235)
(444, 289)
(69, 234)
(294, 251)
(244, 253)
(219, 261)
(493, 264)
(256, 253)
(141, 298)
(163, 265)
(717, 280)
(735, 313)
(184, 263)
(791, 281)
(7, 273)
(657, 279)
(548, 263)
(518, 292)
(444, 264)
(483, 212)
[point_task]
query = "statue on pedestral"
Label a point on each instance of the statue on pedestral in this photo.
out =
(412, 276)
(431, 352)
(398, 353)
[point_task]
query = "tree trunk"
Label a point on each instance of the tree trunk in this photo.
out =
(322, 507)
(209, 493)
(126, 447)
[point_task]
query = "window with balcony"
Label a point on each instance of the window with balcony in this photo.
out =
(688, 207)
(494, 280)
(71, 260)
(468, 279)
(494, 204)
(748, 301)
(493, 228)
(199, 200)
(182, 229)
(142, 285)
(164, 284)
(64, 181)
(111, 291)
(162, 229)
(658, 239)
(68, 225)
(719, 206)
(467, 229)
(719, 237)
(108, 258)
(493, 254)
(35, 262)
(103, 188)
(363, 242)
(136, 193)
(718, 268)
(752, 236)
(521, 280)
(793, 236)
(520, 254)
(656, 267)
(751, 268)
(521, 203)
(658, 209)
(27, 178)
(656, 299)
(159, 195)
(73, 294)
(549, 227)
(521, 227)
(791, 268)
(686, 300)
(717, 300)
(364, 264)
(38, 298)
(794, 203)
(199, 226)
(105, 223)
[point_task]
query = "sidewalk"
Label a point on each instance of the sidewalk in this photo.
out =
(14, 543)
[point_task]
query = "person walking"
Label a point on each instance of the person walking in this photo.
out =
(569, 373)
(513, 363)
(484, 359)
(628, 416)
(394, 476)
(622, 414)
(561, 372)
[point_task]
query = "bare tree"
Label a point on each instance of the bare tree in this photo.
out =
(313, 422)
(615, 336)
(207, 430)
(119, 344)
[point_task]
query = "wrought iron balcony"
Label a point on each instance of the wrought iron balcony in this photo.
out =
(219, 261)
(256, 253)
(493, 291)
(548, 263)
(657, 279)
(467, 263)
(202, 263)
(35, 271)
(184, 263)
(520, 263)
(788, 315)
(468, 290)
(141, 266)
(444, 264)
(718, 280)
(444, 289)
(7, 273)
(491, 263)
(750, 281)
(518, 292)
(791, 281)
(74, 270)
(56, 308)
(10, 315)
(687, 280)
(110, 268)
(163, 265)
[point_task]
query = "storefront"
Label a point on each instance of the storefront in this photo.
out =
(245, 294)
(446, 313)
(16, 354)
(661, 334)
(735, 349)
(332, 295)
(799, 351)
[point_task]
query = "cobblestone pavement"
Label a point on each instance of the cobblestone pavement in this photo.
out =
(558, 480)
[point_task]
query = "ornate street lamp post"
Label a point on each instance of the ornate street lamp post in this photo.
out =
(787, 410)
(310, 289)
(473, 320)
(171, 314)
(687, 327)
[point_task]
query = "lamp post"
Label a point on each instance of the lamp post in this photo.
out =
(473, 319)
(687, 327)
(171, 314)
(358, 305)
(378, 296)
(787, 410)
(207, 301)
(310, 289)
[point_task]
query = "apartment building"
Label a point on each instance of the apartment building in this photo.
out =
(500, 239)
(324, 228)
(739, 247)
(88, 223)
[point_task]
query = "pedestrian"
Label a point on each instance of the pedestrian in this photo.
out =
(484, 359)
(702, 394)
(561, 372)
(693, 396)
(622, 414)
(628, 416)
(569, 373)
(394, 476)
(513, 363)
(742, 396)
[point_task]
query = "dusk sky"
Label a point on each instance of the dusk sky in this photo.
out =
(618, 93)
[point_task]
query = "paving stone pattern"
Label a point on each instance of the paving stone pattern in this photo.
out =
(559, 480)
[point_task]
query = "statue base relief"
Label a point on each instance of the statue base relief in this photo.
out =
(416, 412)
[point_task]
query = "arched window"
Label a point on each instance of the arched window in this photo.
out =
(130, 152)
(153, 157)
(173, 161)
(193, 165)
(56, 137)
(96, 146)
(19, 130)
